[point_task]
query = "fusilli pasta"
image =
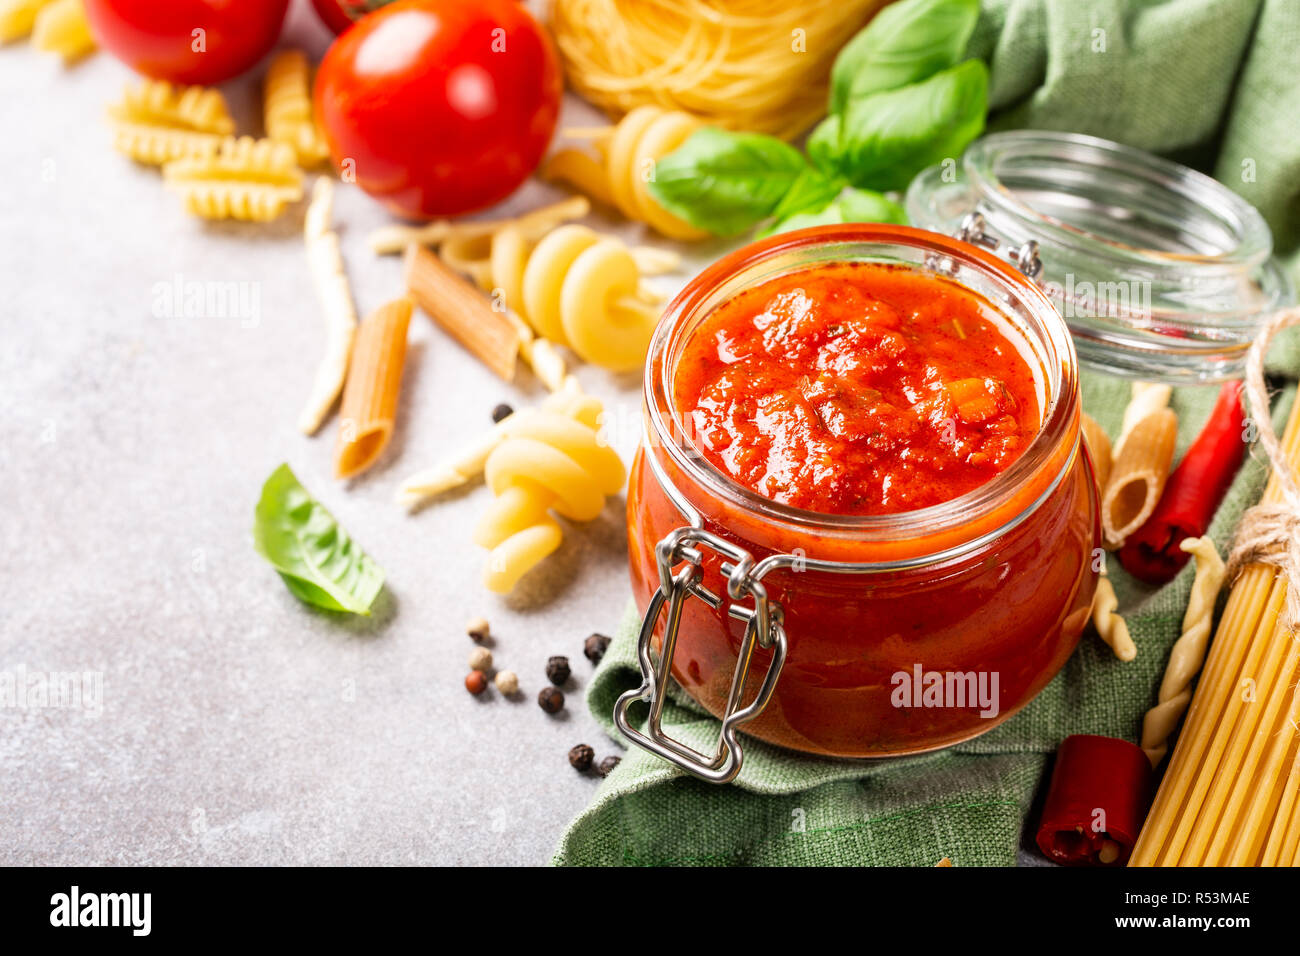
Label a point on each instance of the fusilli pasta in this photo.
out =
(245, 179)
(288, 110)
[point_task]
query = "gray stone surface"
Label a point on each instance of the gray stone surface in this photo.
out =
(237, 725)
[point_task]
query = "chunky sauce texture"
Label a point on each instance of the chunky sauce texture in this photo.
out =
(856, 389)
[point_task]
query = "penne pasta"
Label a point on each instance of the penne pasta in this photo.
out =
(1099, 448)
(1138, 475)
(373, 384)
(463, 311)
(326, 264)
(1146, 398)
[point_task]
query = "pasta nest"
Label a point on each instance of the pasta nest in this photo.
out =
(550, 459)
(621, 170)
(244, 179)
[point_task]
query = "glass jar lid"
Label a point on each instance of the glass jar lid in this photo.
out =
(1160, 272)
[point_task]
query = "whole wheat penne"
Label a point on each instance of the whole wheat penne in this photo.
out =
(393, 239)
(1138, 475)
(374, 382)
(1099, 447)
(463, 311)
(331, 283)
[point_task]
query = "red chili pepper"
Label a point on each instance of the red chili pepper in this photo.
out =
(1191, 495)
(1097, 800)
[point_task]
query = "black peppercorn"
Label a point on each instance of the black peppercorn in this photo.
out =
(594, 647)
(557, 670)
(551, 700)
(502, 411)
(580, 758)
(607, 765)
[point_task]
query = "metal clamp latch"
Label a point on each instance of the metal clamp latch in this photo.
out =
(763, 626)
(974, 230)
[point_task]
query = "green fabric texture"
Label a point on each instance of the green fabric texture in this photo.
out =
(1209, 82)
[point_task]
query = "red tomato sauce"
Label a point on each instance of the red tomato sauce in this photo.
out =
(857, 389)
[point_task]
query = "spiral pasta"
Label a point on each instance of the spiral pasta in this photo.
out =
(544, 461)
(574, 287)
(620, 172)
(287, 107)
(1188, 652)
(246, 179)
(156, 122)
(1111, 626)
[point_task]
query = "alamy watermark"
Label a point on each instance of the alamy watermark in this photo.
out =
(21, 689)
(181, 298)
(946, 689)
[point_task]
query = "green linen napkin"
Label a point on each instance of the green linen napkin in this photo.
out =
(1210, 82)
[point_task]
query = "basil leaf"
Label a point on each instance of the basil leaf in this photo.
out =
(885, 139)
(854, 206)
(904, 43)
(726, 182)
(317, 559)
(812, 190)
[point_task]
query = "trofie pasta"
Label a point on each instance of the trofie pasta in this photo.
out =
(1229, 796)
(287, 107)
(156, 122)
(374, 381)
(331, 283)
(546, 461)
(61, 27)
(1188, 652)
(758, 65)
(245, 179)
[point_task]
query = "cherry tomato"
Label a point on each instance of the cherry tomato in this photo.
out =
(341, 14)
(187, 41)
(440, 107)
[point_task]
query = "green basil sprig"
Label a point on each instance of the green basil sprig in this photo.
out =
(900, 101)
(317, 559)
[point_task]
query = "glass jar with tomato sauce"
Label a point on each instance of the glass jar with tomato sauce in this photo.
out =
(862, 522)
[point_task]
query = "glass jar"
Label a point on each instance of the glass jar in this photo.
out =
(807, 628)
(1161, 272)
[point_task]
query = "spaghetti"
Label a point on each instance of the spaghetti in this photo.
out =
(756, 65)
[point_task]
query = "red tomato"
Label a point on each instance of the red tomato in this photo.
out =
(162, 38)
(341, 14)
(440, 107)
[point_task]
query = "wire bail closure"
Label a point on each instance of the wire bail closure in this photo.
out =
(763, 627)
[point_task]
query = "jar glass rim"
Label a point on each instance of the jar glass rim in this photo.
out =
(1039, 465)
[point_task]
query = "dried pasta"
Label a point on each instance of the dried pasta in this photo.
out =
(1138, 475)
(620, 171)
(473, 239)
(245, 179)
(374, 382)
(1111, 627)
(1188, 652)
(1146, 398)
(17, 17)
(156, 122)
(287, 107)
(467, 465)
(546, 461)
(1099, 445)
(326, 263)
(575, 288)
(61, 27)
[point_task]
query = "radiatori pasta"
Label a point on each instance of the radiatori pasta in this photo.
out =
(245, 179)
(156, 122)
(545, 461)
(287, 107)
(619, 172)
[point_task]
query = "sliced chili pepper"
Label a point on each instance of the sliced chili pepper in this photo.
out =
(1099, 795)
(1192, 494)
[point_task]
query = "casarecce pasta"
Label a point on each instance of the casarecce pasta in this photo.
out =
(156, 122)
(619, 172)
(287, 107)
(331, 282)
(574, 287)
(245, 179)
(545, 461)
